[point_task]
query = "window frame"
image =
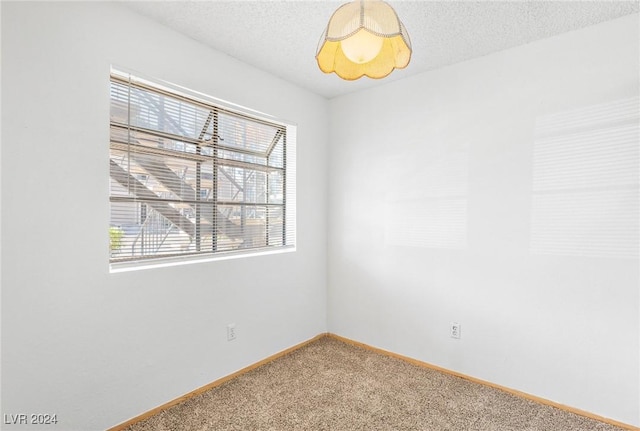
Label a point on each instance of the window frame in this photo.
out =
(216, 107)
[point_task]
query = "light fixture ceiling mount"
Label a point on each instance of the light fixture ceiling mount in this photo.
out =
(364, 38)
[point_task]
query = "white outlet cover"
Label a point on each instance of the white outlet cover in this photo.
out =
(231, 332)
(455, 330)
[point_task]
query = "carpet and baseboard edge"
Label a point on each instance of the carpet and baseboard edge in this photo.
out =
(152, 412)
(490, 384)
(213, 384)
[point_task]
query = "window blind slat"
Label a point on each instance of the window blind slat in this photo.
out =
(189, 178)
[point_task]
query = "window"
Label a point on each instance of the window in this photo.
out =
(191, 177)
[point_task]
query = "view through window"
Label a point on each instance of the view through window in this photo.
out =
(189, 177)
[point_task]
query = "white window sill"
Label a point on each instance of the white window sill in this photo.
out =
(189, 260)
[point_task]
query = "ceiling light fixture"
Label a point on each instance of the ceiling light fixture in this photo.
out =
(364, 37)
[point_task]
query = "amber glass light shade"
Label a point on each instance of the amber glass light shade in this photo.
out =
(364, 38)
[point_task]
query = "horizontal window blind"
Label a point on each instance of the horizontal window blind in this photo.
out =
(189, 177)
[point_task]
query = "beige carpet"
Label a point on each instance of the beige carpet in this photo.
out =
(331, 385)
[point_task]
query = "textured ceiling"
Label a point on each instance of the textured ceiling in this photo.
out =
(281, 37)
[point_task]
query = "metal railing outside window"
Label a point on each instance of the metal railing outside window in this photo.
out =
(190, 177)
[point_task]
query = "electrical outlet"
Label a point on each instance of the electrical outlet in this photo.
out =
(231, 331)
(455, 330)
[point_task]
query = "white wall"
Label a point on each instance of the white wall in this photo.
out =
(97, 348)
(501, 193)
